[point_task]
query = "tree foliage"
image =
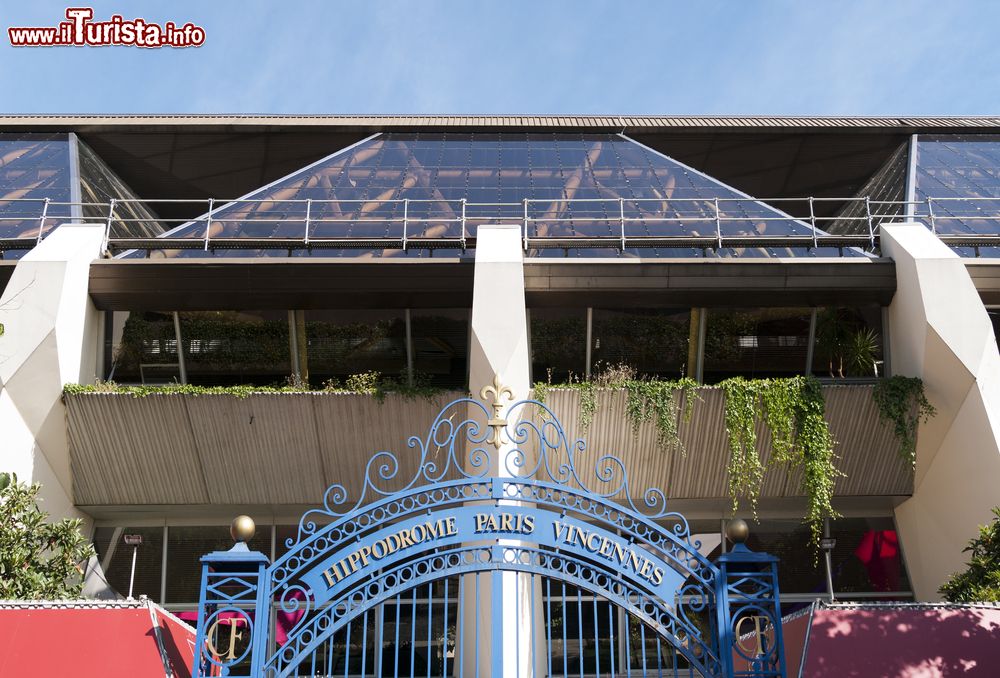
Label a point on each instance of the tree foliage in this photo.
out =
(39, 560)
(980, 582)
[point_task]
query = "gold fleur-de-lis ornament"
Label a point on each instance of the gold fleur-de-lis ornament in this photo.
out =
(494, 394)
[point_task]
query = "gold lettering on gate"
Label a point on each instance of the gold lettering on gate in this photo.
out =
(211, 639)
(405, 538)
(757, 634)
(625, 555)
(504, 522)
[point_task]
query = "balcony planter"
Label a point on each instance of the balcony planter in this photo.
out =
(286, 448)
(262, 448)
(867, 449)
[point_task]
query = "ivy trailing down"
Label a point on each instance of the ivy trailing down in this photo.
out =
(656, 400)
(746, 471)
(901, 402)
(794, 411)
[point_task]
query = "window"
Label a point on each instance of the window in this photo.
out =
(342, 343)
(654, 342)
(764, 342)
(185, 547)
(440, 347)
(558, 341)
(116, 559)
(848, 343)
(220, 347)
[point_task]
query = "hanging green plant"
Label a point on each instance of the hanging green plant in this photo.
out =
(780, 397)
(794, 411)
(901, 401)
(746, 471)
(541, 391)
(664, 402)
(660, 401)
(814, 445)
(588, 404)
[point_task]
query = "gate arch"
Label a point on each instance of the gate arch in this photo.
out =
(498, 494)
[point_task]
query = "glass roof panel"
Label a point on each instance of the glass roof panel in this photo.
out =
(99, 185)
(567, 185)
(33, 167)
(961, 176)
(886, 193)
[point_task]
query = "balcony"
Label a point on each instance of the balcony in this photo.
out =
(285, 449)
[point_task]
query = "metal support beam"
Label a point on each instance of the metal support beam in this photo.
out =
(590, 338)
(163, 565)
(810, 349)
(828, 560)
(409, 349)
(181, 364)
(293, 347)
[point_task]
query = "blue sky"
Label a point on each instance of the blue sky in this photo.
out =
(381, 56)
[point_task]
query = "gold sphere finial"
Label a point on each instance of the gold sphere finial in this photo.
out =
(738, 531)
(242, 528)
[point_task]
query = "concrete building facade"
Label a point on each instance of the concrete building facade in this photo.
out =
(442, 252)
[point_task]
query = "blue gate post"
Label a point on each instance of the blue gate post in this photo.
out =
(233, 594)
(749, 610)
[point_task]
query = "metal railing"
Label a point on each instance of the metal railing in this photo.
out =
(709, 224)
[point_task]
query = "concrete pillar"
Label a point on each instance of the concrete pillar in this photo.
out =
(940, 332)
(500, 347)
(51, 338)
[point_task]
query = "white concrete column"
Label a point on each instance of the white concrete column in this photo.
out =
(500, 347)
(51, 338)
(499, 321)
(940, 332)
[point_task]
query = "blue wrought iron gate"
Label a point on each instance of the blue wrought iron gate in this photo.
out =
(497, 557)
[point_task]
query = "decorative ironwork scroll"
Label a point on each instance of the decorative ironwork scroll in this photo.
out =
(498, 489)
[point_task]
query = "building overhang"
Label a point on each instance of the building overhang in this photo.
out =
(710, 282)
(6, 271)
(985, 274)
(298, 283)
(135, 285)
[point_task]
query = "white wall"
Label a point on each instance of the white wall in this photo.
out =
(939, 331)
(51, 338)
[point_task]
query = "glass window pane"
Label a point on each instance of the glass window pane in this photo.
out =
(654, 342)
(961, 175)
(145, 348)
(99, 185)
(440, 347)
(342, 343)
(848, 342)
(220, 347)
(185, 547)
(558, 339)
(867, 556)
(33, 168)
(565, 184)
(148, 562)
(769, 342)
